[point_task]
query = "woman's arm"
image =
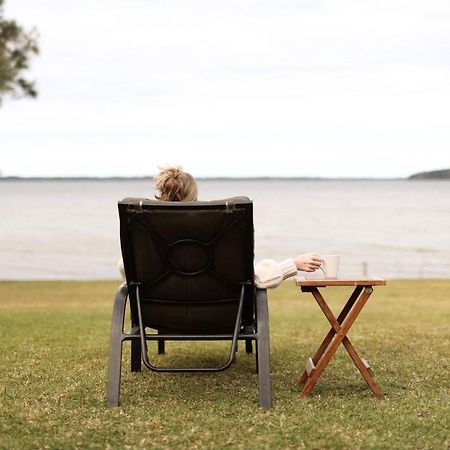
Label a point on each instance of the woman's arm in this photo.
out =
(269, 273)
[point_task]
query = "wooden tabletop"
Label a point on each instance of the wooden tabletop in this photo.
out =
(340, 281)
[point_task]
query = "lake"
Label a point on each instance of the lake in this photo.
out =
(394, 229)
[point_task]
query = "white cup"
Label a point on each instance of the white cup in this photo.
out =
(330, 265)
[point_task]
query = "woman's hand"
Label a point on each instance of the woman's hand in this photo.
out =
(309, 262)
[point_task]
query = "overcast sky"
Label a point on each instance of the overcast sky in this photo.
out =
(344, 88)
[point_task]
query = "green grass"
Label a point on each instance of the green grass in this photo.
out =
(54, 339)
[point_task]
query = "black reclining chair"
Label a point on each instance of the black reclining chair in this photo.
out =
(190, 276)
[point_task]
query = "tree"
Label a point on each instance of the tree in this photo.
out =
(17, 46)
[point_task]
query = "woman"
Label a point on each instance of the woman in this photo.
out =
(173, 184)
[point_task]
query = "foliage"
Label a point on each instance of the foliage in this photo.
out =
(16, 48)
(54, 339)
(433, 175)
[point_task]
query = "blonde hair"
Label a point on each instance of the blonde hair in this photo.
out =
(175, 185)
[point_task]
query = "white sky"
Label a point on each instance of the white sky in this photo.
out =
(341, 88)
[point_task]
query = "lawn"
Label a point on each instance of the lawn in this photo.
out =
(54, 339)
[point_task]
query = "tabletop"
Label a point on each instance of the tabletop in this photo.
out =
(340, 281)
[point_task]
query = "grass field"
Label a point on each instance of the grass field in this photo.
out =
(54, 339)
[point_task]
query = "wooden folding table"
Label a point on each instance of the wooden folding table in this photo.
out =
(339, 327)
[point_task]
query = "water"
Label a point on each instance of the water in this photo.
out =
(69, 229)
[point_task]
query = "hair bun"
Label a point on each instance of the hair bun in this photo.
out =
(173, 184)
(176, 172)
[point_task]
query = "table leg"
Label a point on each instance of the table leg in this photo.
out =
(337, 339)
(348, 306)
(347, 344)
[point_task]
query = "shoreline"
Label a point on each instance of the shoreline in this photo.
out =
(120, 281)
(15, 179)
(221, 179)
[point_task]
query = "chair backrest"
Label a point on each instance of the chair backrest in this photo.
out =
(190, 260)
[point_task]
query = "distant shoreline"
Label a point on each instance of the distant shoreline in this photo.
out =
(443, 174)
(436, 175)
(149, 178)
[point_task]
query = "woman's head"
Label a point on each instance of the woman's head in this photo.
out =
(174, 185)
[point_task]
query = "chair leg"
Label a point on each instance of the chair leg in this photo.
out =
(161, 346)
(136, 356)
(263, 349)
(248, 346)
(115, 352)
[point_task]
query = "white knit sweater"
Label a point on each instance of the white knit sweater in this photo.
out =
(268, 273)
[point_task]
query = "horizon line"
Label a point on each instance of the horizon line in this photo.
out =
(200, 178)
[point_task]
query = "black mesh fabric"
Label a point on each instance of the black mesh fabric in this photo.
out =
(190, 260)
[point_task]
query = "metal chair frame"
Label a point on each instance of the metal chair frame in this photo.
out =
(131, 294)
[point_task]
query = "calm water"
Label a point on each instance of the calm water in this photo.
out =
(63, 230)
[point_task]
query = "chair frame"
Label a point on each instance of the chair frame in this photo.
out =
(129, 294)
(119, 336)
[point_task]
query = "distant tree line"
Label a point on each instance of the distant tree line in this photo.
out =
(433, 175)
(17, 46)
